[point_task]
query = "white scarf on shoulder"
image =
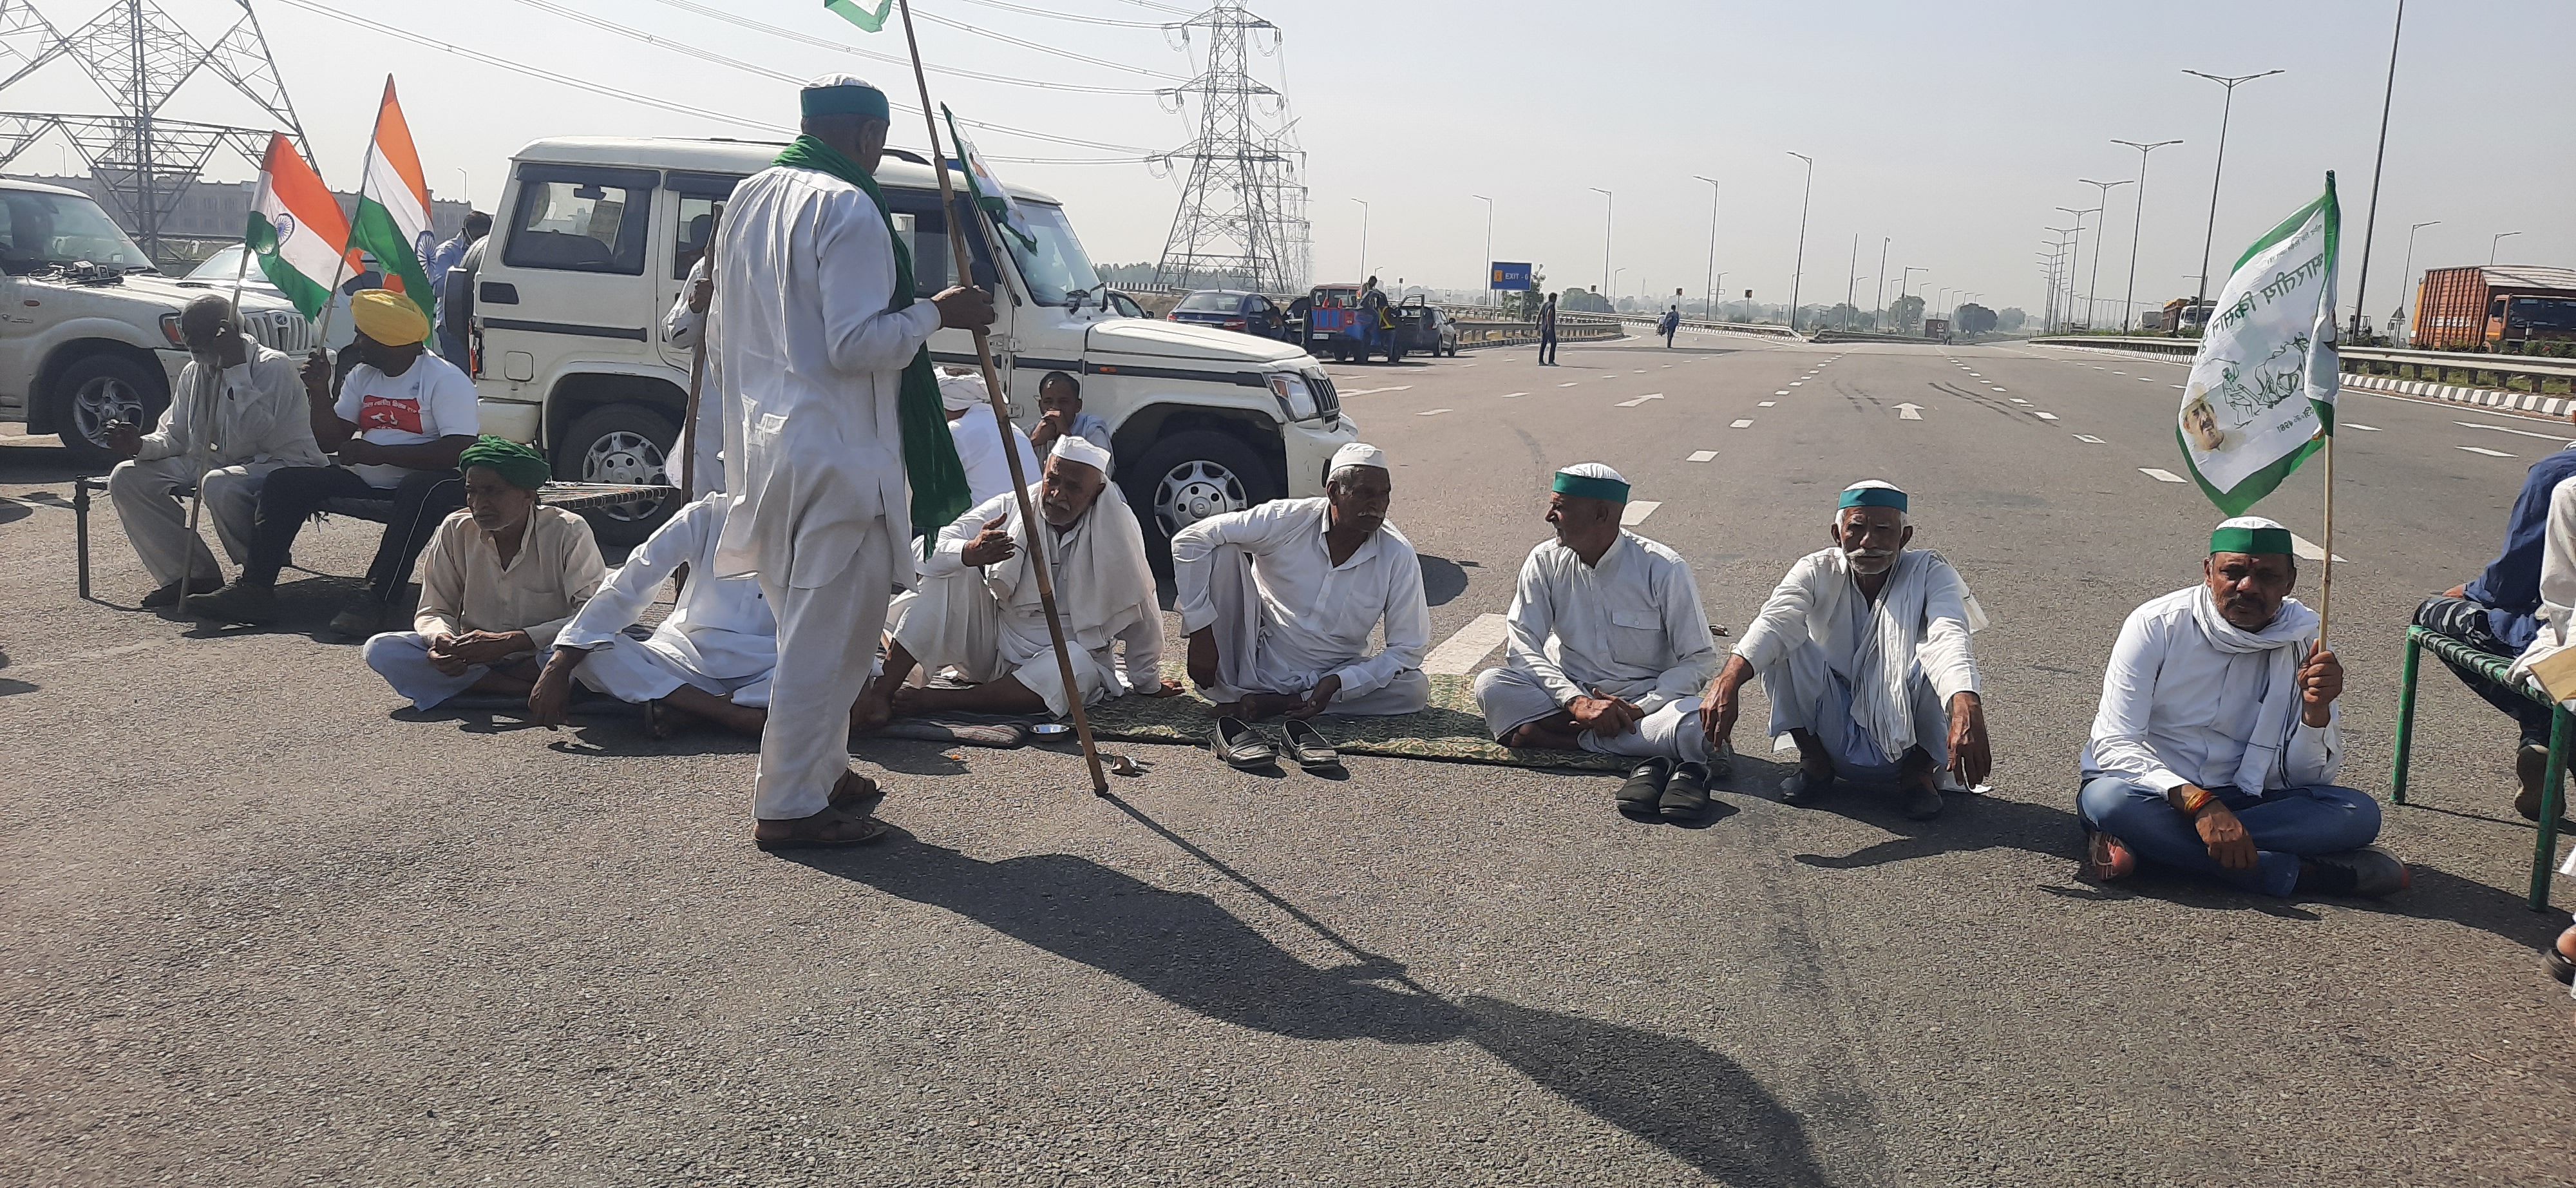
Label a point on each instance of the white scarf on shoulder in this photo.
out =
(2287, 638)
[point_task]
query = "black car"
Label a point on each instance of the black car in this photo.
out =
(1230, 309)
(1424, 328)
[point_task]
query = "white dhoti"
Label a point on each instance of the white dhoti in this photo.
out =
(155, 514)
(1512, 698)
(639, 672)
(402, 658)
(1245, 666)
(954, 621)
(1807, 694)
(827, 640)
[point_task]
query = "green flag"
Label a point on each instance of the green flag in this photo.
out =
(990, 195)
(2261, 397)
(857, 13)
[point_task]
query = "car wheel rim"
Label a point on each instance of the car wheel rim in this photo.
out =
(102, 402)
(1195, 490)
(625, 458)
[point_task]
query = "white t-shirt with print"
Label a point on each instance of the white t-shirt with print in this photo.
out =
(431, 399)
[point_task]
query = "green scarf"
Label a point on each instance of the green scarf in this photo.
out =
(939, 491)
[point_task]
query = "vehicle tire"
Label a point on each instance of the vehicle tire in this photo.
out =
(1191, 475)
(621, 443)
(100, 389)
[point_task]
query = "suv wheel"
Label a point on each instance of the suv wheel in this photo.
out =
(99, 390)
(1190, 476)
(620, 443)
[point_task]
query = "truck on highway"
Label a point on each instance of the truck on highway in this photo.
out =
(89, 333)
(2486, 306)
(595, 236)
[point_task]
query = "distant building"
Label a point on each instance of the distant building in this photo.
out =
(217, 211)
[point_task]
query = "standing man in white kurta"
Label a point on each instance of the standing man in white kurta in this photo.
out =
(835, 445)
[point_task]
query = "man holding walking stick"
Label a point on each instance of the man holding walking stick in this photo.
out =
(836, 445)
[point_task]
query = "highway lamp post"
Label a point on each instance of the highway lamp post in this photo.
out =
(1488, 268)
(2056, 274)
(468, 190)
(1615, 274)
(1878, 300)
(1716, 285)
(2103, 196)
(1851, 282)
(2407, 277)
(2492, 244)
(2378, 165)
(1609, 204)
(1905, 278)
(2076, 260)
(1713, 192)
(2217, 169)
(1363, 234)
(1798, 275)
(2128, 301)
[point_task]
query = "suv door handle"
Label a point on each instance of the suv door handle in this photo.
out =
(498, 293)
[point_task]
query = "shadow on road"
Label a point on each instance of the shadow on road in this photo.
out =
(1443, 579)
(1181, 947)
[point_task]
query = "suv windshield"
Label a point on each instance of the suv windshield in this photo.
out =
(1058, 266)
(45, 230)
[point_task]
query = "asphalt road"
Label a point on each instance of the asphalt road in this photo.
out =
(262, 928)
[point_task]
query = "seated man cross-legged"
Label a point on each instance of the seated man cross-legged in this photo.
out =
(1279, 602)
(2217, 742)
(1608, 650)
(978, 610)
(498, 580)
(1864, 652)
(710, 659)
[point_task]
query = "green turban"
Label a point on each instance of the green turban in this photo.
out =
(517, 465)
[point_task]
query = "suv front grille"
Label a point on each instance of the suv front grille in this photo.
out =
(1327, 401)
(281, 330)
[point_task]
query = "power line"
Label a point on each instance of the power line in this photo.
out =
(718, 14)
(1073, 16)
(1048, 49)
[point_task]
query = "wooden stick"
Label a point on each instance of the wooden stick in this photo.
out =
(2325, 588)
(698, 361)
(1001, 417)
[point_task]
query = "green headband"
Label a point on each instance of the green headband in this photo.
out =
(857, 101)
(1873, 497)
(1588, 487)
(517, 465)
(2250, 540)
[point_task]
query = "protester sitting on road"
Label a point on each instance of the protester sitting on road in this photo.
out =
(1863, 650)
(401, 418)
(979, 438)
(1060, 412)
(2498, 613)
(1279, 601)
(498, 581)
(2217, 741)
(978, 610)
(710, 659)
(1608, 650)
(237, 417)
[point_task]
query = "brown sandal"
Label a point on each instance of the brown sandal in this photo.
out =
(830, 828)
(853, 790)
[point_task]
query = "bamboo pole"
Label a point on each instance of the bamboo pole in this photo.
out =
(698, 362)
(993, 397)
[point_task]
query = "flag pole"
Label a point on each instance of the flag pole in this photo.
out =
(340, 267)
(698, 361)
(993, 397)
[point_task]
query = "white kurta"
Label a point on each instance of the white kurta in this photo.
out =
(1308, 618)
(1916, 631)
(2178, 710)
(720, 636)
(979, 450)
(1630, 627)
(988, 622)
(225, 433)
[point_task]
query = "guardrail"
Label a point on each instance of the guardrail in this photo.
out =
(1763, 328)
(2506, 375)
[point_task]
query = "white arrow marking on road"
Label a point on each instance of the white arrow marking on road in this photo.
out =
(1509, 395)
(1459, 654)
(1741, 425)
(1640, 400)
(2088, 439)
(1909, 411)
(1432, 412)
(2503, 429)
(2162, 476)
(2360, 426)
(1702, 455)
(1637, 512)
(2307, 550)
(2485, 451)
(2043, 416)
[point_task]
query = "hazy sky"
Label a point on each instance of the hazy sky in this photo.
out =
(1954, 135)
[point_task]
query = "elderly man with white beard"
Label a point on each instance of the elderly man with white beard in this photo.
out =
(1863, 649)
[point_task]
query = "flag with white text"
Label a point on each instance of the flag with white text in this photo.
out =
(2261, 396)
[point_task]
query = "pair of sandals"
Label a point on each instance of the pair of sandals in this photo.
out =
(1242, 746)
(1662, 787)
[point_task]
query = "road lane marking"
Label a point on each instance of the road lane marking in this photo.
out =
(2146, 379)
(1701, 455)
(1999, 389)
(2043, 416)
(2307, 550)
(1745, 424)
(2119, 373)
(1459, 654)
(1781, 392)
(1976, 375)
(1909, 411)
(2483, 450)
(1640, 400)
(1510, 395)
(1432, 412)
(2360, 426)
(1795, 383)
(2503, 429)
(2162, 476)
(1569, 383)
(1637, 512)
(2088, 439)
(2019, 400)
(1375, 391)
(1766, 404)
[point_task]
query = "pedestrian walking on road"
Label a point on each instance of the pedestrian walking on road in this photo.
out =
(1669, 324)
(1547, 332)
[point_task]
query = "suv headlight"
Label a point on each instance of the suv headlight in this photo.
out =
(170, 330)
(1296, 400)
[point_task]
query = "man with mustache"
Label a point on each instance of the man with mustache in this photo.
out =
(1608, 648)
(978, 609)
(2217, 742)
(1863, 649)
(1279, 600)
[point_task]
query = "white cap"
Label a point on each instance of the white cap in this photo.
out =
(2250, 522)
(958, 393)
(823, 82)
(1592, 470)
(1073, 447)
(1358, 453)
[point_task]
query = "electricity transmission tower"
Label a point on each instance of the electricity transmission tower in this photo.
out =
(1242, 216)
(139, 57)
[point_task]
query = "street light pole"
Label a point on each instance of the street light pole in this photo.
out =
(2500, 237)
(2128, 301)
(1713, 192)
(1489, 249)
(1878, 301)
(1609, 204)
(1799, 275)
(2056, 273)
(2378, 165)
(2077, 261)
(2217, 169)
(2409, 274)
(1905, 280)
(1363, 235)
(2103, 196)
(1851, 281)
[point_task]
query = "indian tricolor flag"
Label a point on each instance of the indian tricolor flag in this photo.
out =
(296, 229)
(393, 207)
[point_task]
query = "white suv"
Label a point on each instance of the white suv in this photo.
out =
(595, 236)
(89, 330)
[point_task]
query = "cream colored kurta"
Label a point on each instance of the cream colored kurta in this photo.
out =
(465, 587)
(255, 413)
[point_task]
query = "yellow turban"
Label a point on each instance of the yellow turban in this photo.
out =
(389, 317)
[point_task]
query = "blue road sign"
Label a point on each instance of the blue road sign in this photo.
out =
(1508, 278)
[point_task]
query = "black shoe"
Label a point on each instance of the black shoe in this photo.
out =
(1240, 746)
(2366, 873)
(239, 602)
(1804, 789)
(1686, 795)
(1919, 802)
(2530, 766)
(1645, 786)
(1308, 747)
(168, 595)
(361, 617)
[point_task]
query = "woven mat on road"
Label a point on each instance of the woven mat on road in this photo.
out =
(1449, 730)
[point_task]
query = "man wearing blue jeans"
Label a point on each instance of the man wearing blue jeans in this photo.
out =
(2217, 742)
